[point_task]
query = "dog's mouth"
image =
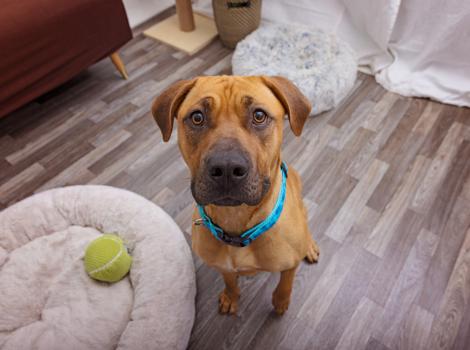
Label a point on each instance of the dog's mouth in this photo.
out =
(227, 202)
(250, 193)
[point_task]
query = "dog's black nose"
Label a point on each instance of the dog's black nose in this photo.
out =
(228, 168)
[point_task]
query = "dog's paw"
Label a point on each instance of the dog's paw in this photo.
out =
(227, 304)
(313, 253)
(281, 304)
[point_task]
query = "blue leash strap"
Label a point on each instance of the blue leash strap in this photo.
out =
(251, 234)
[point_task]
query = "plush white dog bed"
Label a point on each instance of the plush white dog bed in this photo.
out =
(47, 301)
(322, 66)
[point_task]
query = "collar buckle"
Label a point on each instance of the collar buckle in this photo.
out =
(232, 240)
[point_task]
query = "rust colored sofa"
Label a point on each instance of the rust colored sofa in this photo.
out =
(44, 43)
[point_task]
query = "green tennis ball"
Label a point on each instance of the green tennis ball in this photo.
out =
(106, 259)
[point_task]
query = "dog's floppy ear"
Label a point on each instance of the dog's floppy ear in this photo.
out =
(165, 106)
(297, 106)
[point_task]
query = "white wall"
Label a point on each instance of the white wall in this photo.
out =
(138, 11)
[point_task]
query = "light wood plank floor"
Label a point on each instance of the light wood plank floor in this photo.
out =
(386, 182)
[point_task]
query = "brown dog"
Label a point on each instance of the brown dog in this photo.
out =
(230, 133)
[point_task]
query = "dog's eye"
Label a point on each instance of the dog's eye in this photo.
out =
(197, 118)
(259, 116)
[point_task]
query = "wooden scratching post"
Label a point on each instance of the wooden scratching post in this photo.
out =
(184, 31)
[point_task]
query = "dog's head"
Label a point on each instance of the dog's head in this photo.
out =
(230, 132)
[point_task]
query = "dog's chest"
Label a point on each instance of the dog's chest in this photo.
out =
(237, 260)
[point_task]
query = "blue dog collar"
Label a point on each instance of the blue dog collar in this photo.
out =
(249, 235)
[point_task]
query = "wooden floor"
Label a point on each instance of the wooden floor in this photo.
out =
(386, 181)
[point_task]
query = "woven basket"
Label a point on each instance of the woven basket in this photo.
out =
(235, 19)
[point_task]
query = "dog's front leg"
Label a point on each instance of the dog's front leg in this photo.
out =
(281, 295)
(228, 300)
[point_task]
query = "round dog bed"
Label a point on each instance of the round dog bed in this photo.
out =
(321, 65)
(47, 301)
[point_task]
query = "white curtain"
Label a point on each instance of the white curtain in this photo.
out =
(413, 47)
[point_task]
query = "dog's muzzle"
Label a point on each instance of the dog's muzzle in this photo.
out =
(227, 177)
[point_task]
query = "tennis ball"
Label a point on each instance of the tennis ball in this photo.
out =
(106, 259)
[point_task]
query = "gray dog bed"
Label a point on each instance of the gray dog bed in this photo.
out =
(321, 65)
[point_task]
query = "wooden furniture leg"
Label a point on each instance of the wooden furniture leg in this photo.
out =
(119, 65)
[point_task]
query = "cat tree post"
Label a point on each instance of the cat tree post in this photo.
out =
(185, 31)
